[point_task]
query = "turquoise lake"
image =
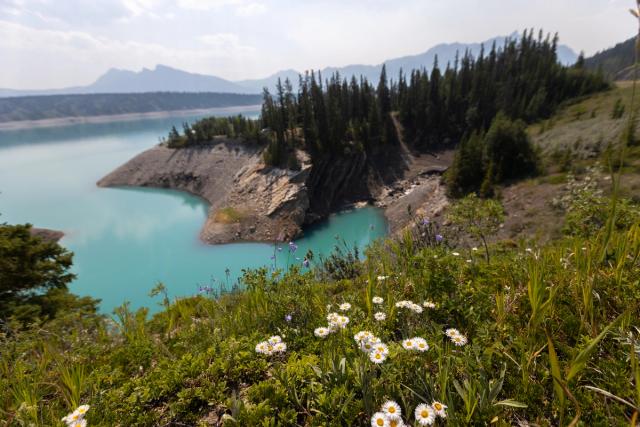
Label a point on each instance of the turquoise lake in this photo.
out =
(127, 240)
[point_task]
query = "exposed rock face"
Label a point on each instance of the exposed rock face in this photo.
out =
(249, 202)
(253, 202)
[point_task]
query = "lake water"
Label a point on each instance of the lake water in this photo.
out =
(127, 240)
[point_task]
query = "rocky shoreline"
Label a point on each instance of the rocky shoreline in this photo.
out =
(251, 202)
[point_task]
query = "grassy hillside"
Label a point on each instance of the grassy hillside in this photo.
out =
(545, 333)
(59, 106)
(573, 145)
(617, 62)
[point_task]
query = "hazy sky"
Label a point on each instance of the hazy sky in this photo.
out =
(57, 43)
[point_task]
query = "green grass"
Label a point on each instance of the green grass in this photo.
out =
(228, 215)
(546, 329)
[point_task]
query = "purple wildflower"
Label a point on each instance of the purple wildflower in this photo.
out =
(288, 318)
(439, 238)
(292, 247)
(426, 221)
(305, 263)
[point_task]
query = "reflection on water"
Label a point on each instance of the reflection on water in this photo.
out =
(126, 240)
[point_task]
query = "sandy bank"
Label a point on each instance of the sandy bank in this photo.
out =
(67, 121)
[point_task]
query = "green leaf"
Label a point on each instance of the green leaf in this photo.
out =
(510, 402)
(555, 372)
(581, 359)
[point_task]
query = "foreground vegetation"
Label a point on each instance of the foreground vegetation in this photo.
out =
(426, 330)
(544, 335)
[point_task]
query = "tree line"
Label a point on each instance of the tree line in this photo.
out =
(520, 81)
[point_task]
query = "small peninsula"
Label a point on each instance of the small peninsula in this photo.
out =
(251, 201)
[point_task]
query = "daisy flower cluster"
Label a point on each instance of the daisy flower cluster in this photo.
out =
(416, 344)
(76, 418)
(377, 300)
(426, 414)
(456, 337)
(372, 345)
(416, 308)
(336, 321)
(272, 346)
(429, 304)
(390, 414)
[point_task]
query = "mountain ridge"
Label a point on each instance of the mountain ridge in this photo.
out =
(164, 78)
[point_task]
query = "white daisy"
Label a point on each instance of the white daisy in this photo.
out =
(455, 254)
(377, 300)
(377, 357)
(382, 278)
(279, 347)
(321, 332)
(345, 306)
(263, 347)
(425, 415)
(459, 340)
(429, 304)
(415, 308)
(71, 418)
(420, 344)
(368, 344)
(408, 344)
(381, 348)
(439, 408)
(363, 336)
(82, 410)
(396, 422)
(78, 423)
(331, 317)
(474, 249)
(380, 316)
(379, 420)
(341, 322)
(391, 409)
(275, 339)
(451, 332)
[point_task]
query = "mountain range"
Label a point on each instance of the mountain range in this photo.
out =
(167, 79)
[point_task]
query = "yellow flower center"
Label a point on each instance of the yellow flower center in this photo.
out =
(424, 413)
(438, 406)
(394, 423)
(378, 356)
(380, 422)
(392, 410)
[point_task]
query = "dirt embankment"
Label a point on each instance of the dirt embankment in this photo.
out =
(252, 202)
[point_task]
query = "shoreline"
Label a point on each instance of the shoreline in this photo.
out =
(249, 202)
(69, 121)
